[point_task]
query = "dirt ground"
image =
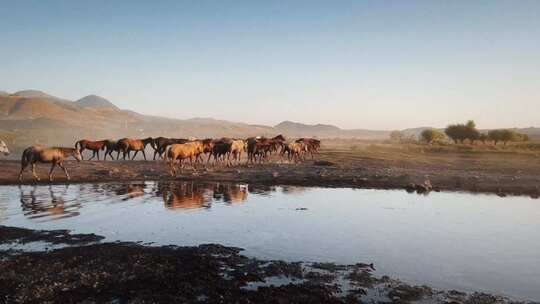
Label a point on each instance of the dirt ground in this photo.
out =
(88, 271)
(353, 164)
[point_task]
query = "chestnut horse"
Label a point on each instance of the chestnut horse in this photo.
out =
(3, 148)
(126, 145)
(160, 144)
(93, 146)
(177, 153)
(54, 155)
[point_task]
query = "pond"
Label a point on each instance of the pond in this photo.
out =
(444, 240)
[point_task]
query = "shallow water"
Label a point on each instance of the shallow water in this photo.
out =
(445, 240)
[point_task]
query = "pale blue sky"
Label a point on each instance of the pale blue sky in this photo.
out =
(355, 64)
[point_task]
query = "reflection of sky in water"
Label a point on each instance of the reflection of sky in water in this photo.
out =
(447, 240)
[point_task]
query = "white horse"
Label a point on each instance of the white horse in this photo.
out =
(3, 148)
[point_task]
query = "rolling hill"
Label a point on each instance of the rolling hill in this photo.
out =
(34, 117)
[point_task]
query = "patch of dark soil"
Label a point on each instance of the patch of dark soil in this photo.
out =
(127, 272)
(405, 293)
(134, 273)
(324, 163)
(21, 235)
(362, 277)
(329, 267)
(483, 298)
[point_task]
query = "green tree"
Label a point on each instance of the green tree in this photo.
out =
(504, 135)
(461, 132)
(430, 135)
(471, 133)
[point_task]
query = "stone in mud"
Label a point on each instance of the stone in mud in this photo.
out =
(419, 188)
(405, 294)
(483, 298)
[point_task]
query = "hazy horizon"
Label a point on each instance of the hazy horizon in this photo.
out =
(356, 65)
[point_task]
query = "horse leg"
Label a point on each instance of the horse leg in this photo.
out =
(93, 155)
(172, 170)
(143, 154)
(65, 170)
(191, 162)
(51, 171)
(21, 173)
(134, 155)
(97, 152)
(34, 172)
(182, 166)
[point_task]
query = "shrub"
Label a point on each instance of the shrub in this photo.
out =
(431, 135)
(504, 135)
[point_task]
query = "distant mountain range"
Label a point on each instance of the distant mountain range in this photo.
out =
(296, 129)
(31, 116)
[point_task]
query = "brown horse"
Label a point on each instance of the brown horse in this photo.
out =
(312, 145)
(111, 146)
(126, 145)
(261, 147)
(160, 144)
(93, 146)
(55, 155)
(177, 153)
(237, 147)
(294, 150)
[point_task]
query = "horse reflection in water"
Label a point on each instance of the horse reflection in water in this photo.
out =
(232, 194)
(185, 195)
(52, 206)
(190, 195)
(265, 190)
(131, 191)
(57, 202)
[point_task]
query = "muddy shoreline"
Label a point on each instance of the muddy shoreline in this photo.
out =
(362, 173)
(93, 271)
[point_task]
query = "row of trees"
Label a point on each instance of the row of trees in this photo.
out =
(460, 133)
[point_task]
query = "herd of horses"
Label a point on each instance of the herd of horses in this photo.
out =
(175, 151)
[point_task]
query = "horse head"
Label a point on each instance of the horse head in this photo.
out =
(3, 148)
(77, 154)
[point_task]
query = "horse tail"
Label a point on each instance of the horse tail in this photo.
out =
(165, 156)
(78, 143)
(26, 157)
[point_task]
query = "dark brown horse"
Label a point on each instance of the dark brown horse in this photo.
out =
(260, 148)
(126, 145)
(160, 144)
(93, 146)
(54, 155)
(111, 146)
